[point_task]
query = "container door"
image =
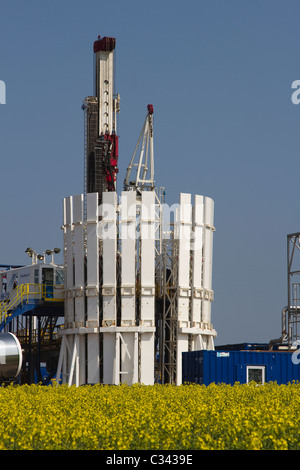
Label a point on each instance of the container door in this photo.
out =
(47, 281)
(240, 373)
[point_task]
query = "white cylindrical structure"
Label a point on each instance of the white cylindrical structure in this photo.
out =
(10, 356)
(118, 320)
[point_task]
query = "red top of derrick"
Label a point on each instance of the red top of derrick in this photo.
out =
(104, 44)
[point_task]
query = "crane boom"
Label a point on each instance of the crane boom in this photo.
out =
(144, 178)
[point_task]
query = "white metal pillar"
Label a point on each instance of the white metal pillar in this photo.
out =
(184, 290)
(129, 339)
(198, 340)
(68, 363)
(207, 268)
(69, 283)
(92, 289)
(147, 297)
(202, 293)
(197, 253)
(109, 285)
(69, 257)
(78, 291)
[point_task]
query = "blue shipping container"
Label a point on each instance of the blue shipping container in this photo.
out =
(205, 367)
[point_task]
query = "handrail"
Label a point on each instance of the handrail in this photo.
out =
(27, 292)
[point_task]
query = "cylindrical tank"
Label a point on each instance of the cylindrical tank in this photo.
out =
(10, 356)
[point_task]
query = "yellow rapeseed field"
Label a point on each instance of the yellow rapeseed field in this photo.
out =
(159, 417)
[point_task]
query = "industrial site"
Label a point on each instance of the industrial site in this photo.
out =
(132, 301)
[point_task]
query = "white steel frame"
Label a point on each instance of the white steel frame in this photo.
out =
(144, 177)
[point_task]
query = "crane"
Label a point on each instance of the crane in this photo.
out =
(144, 178)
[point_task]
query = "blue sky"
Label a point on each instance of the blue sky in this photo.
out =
(219, 75)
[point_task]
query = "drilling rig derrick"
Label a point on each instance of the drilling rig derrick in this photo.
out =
(101, 140)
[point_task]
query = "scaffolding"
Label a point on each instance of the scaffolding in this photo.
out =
(291, 314)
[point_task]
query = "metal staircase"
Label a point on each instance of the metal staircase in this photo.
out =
(26, 297)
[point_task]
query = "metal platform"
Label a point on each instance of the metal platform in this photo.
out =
(34, 313)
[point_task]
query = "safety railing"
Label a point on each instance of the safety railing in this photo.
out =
(26, 293)
(52, 293)
(46, 334)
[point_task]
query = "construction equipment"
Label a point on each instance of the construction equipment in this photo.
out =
(100, 139)
(144, 178)
(32, 308)
(138, 285)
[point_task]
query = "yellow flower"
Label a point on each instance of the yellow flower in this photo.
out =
(150, 417)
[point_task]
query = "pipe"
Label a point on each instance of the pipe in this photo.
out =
(10, 356)
(272, 342)
(283, 337)
(283, 321)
